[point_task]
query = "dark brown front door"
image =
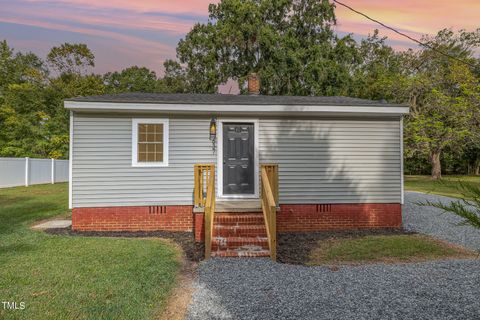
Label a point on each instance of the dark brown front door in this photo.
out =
(238, 156)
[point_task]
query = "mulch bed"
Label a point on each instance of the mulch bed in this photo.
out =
(295, 247)
(193, 251)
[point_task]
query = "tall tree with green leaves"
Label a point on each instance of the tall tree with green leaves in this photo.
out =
(443, 94)
(132, 79)
(174, 80)
(71, 63)
(289, 43)
(378, 71)
(70, 58)
(22, 86)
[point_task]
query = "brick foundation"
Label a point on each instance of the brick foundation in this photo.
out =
(199, 227)
(308, 217)
(149, 218)
(290, 218)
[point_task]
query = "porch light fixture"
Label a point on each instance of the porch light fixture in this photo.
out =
(213, 132)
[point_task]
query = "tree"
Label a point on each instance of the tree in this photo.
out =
(133, 79)
(443, 94)
(71, 62)
(471, 149)
(71, 59)
(19, 68)
(22, 85)
(57, 124)
(21, 120)
(174, 80)
(378, 70)
(33, 120)
(471, 153)
(289, 43)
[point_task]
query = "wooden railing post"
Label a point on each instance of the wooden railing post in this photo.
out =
(201, 188)
(204, 196)
(269, 184)
(196, 186)
(208, 232)
(275, 183)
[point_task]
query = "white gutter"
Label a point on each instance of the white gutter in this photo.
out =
(232, 108)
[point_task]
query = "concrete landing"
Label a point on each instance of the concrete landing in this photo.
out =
(53, 224)
(235, 206)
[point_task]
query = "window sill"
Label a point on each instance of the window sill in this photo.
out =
(150, 165)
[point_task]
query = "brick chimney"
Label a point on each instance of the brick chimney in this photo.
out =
(253, 84)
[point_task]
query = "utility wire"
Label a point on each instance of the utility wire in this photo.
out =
(426, 45)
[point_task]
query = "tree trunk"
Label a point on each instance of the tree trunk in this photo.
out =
(436, 165)
(476, 168)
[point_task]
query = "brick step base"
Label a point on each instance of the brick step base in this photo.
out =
(239, 219)
(239, 235)
(241, 253)
(242, 243)
(245, 230)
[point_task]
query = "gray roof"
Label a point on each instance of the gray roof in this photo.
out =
(226, 99)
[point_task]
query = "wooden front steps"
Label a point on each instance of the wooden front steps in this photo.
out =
(239, 235)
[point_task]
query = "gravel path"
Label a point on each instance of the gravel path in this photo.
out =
(261, 289)
(432, 221)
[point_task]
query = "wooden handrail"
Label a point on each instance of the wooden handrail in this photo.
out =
(269, 204)
(204, 175)
(201, 172)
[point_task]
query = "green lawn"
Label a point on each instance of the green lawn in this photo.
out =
(447, 186)
(61, 277)
(383, 248)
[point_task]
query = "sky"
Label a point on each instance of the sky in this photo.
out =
(122, 33)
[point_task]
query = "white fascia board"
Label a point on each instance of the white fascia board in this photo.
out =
(232, 108)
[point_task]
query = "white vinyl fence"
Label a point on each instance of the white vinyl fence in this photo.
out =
(27, 171)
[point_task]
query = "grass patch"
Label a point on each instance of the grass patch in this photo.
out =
(61, 277)
(447, 186)
(383, 248)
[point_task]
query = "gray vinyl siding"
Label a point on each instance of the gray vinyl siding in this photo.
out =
(320, 161)
(102, 162)
(334, 161)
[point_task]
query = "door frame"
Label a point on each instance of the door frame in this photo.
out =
(256, 161)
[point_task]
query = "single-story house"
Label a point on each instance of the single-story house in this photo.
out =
(175, 162)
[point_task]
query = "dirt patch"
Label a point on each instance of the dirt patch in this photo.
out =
(177, 304)
(194, 251)
(295, 247)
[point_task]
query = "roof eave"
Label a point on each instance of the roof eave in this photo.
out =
(235, 109)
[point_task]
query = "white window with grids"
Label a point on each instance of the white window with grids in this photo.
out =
(149, 142)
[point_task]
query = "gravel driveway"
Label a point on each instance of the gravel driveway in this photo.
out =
(432, 221)
(261, 289)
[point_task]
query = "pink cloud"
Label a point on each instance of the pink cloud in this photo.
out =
(114, 51)
(196, 7)
(134, 41)
(414, 17)
(122, 19)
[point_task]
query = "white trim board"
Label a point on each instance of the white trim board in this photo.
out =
(135, 123)
(303, 110)
(256, 159)
(70, 163)
(402, 177)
